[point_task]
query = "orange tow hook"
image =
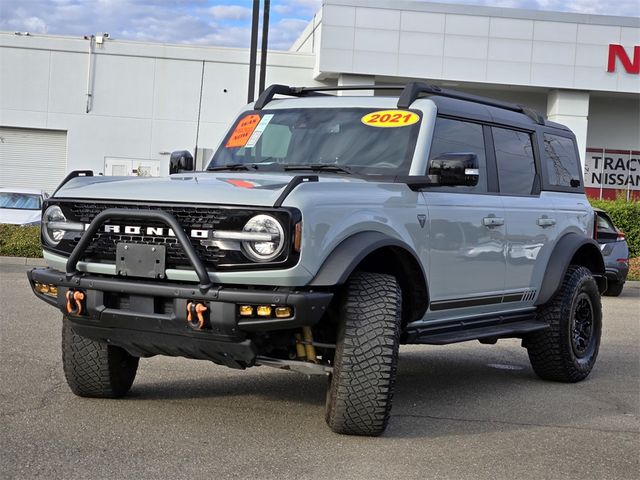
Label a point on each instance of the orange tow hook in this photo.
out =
(74, 302)
(195, 315)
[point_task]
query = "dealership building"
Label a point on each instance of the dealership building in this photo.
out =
(119, 107)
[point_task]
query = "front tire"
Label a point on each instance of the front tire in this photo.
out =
(567, 351)
(95, 369)
(364, 372)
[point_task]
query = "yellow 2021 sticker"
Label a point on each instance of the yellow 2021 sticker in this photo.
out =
(390, 118)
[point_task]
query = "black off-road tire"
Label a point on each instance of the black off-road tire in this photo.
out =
(614, 289)
(364, 372)
(567, 351)
(95, 369)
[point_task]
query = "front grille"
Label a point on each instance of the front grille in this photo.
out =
(103, 245)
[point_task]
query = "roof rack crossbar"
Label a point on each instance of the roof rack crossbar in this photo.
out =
(352, 87)
(276, 89)
(267, 95)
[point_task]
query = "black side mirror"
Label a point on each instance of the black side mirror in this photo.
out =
(180, 161)
(454, 169)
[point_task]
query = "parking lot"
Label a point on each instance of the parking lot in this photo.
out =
(461, 411)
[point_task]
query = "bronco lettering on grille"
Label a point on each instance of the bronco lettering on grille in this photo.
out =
(150, 231)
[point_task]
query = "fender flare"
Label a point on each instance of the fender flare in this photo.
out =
(344, 259)
(560, 260)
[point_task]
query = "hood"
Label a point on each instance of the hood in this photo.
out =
(228, 188)
(17, 216)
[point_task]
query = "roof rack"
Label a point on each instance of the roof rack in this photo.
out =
(410, 92)
(413, 90)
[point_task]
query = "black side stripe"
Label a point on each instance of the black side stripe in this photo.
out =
(523, 296)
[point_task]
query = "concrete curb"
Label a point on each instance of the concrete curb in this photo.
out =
(30, 262)
(39, 262)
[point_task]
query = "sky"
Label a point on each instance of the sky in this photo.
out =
(216, 22)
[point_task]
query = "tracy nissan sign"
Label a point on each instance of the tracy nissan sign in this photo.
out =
(609, 170)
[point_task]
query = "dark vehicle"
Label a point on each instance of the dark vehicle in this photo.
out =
(615, 252)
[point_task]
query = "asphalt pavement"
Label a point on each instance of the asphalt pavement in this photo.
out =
(460, 412)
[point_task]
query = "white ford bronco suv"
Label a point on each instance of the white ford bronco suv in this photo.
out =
(326, 231)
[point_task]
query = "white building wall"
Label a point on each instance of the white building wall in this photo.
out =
(475, 44)
(623, 113)
(145, 97)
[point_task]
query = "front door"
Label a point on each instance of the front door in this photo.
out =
(466, 230)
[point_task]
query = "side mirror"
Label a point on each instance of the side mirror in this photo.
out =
(180, 161)
(454, 169)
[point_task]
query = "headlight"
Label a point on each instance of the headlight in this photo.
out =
(55, 225)
(269, 238)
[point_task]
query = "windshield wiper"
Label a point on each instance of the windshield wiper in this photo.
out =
(233, 167)
(319, 167)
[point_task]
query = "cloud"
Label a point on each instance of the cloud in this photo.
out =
(35, 24)
(217, 22)
(230, 12)
(284, 32)
(296, 8)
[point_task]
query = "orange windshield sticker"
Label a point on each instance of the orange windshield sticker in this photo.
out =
(390, 118)
(243, 131)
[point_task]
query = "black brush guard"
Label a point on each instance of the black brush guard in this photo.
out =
(148, 317)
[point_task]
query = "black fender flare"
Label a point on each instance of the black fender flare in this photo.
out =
(564, 251)
(344, 259)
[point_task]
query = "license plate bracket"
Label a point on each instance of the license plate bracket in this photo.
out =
(139, 260)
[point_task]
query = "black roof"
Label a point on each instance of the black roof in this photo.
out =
(448, 102)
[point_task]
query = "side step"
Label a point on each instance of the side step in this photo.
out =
(488, 329)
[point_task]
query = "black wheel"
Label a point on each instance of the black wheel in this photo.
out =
(614, 289)
(95, 369)
(364, 372)
(567, 351)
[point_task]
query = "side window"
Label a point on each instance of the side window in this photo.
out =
(514, 157)
(456, 136)
(561, 161)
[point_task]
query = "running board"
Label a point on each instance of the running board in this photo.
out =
(491, 329)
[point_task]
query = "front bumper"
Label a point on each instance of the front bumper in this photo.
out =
(149, 318)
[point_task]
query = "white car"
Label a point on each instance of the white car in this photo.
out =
(21, 206)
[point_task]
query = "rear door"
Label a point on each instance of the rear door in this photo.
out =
(530, 217)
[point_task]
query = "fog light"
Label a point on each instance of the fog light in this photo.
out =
(283, 312)
(46, 289)
(246, 310)
(264, 311)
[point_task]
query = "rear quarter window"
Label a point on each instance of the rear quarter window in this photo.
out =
(561, 162)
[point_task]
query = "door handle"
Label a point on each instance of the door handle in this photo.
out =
(492, 221)
(546, 222)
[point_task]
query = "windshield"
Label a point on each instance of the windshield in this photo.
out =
(20, 201)
(350, 140)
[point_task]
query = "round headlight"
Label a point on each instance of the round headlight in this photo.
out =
(268, 247)
(51, 215)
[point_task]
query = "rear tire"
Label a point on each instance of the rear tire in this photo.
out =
(95, 369)
(614, 289)
(567, 351)
(364, 372)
